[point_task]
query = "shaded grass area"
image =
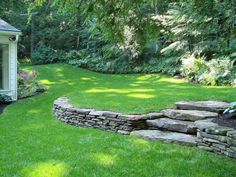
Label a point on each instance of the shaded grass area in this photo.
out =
(35, 144)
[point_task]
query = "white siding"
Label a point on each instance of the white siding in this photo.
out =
(12, 91)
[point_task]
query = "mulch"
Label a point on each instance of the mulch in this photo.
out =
(3, 106)
(226, 122)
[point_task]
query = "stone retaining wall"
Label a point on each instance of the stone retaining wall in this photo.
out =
(210, 136)
(105, 120)
(220, 140)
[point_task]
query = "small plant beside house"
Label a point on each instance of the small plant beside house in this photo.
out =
(28, 84)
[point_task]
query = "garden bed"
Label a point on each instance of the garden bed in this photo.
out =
(226, 122)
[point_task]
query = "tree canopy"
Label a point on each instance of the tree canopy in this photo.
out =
(131, 36)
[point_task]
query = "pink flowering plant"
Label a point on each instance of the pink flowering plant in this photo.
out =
(28, 84)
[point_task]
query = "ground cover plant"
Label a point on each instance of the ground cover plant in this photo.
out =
(35, 144)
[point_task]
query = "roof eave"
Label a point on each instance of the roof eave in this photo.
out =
(5, 32)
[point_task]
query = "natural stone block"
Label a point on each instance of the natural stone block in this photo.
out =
(205, 148)
(210, 140)
(101, 117)
(199, 136)
(189, 115)
(219, 146)
(232, 149)
(166, 136)
(154, 115)
(215, 137)
(206, 123)
(83, 111)
(213, 106)
(96, 113)
(218, 130)
(231, 153)
(215, 149)
(231, 142)
(173, 125)
(203, 144)
(123, 132)
(232, 134)
(133, 117)
(110, 114)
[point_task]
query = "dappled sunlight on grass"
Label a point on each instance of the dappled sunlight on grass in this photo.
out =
(140, 142)
(47, 169)
(134, 85)
(47, 82)
(105, 159)
(141, 95)
(33, 111)
(86, 79)
(104, 90)
(171, 80)
(60, 72)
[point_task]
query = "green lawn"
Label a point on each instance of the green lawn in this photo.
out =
(133, 93)
(35, 144)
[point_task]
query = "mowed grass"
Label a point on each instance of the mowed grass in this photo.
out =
(132, 93)
(33, 143)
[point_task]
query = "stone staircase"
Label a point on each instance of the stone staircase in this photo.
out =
(180, 125)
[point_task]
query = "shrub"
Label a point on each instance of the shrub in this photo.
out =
(5, 98)
(28, 84)
(45, 55)
(214, 72)
(231, 111)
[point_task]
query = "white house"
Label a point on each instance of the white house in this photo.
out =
(8, 59)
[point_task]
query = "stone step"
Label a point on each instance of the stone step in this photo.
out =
(188, 115)
(173, 125)
(206, 123)
(166, 136)
(213, 106)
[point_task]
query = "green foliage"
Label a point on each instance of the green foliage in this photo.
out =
(46, 27)
(134, 36)
(231, 109)
(28, 84)
(4, 98)
(213, 72)
(44, 55)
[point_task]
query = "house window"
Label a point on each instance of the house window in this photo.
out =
(4, 66)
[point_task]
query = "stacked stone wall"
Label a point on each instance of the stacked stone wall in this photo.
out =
(105, 120)
(220, 140)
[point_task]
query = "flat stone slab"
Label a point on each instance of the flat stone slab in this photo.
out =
(232, 134)
(154, 115)
(218, 130)
(213, 106)
(189, 115)
(111, 114)
(132, 117)
(179, 138)
(173, 125)
(206, 123)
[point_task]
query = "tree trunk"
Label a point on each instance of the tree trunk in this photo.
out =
(32, 36)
